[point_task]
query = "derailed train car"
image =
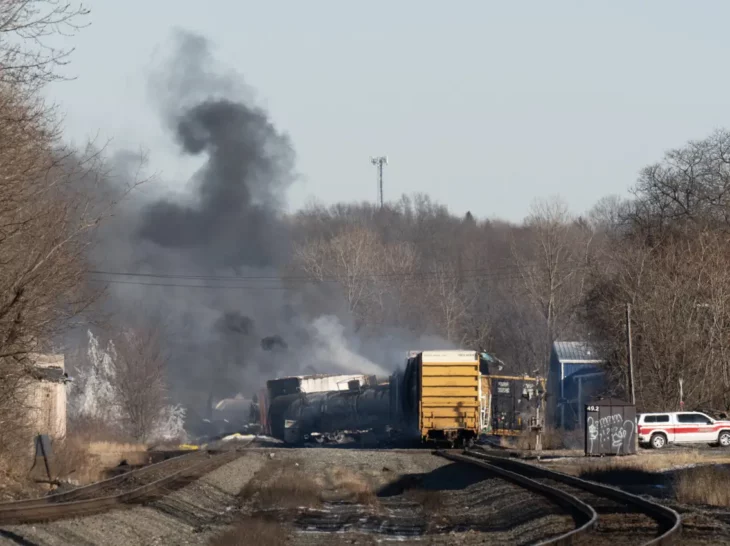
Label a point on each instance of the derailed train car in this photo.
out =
(440, 395)
(318, 407)
(331, 416)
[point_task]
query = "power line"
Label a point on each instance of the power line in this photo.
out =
(486, 271)
(407, 281)
(210, 286)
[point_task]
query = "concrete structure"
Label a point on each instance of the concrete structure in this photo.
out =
(46, 395)
(575, 372)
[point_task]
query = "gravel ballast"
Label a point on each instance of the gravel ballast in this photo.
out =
(321, 496)
(349, 496)
(189, 516)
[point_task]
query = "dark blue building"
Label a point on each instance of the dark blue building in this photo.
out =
(575, 374)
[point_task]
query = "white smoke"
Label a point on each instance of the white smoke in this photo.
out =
(95, 395)
(329, 344)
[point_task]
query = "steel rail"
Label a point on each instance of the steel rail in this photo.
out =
(26, 512)
(670, 521)
(97, 486)
(580, 510)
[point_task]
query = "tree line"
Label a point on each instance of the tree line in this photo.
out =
(514, 289)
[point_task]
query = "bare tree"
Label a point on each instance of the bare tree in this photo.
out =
(679, 293)
(395, 285)
(349, 258)
(552, 264)
(46, 214)
(28, 29)
(451, 298)
(688, 188)
(140, 367)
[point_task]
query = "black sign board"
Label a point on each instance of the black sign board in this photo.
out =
(610, 428)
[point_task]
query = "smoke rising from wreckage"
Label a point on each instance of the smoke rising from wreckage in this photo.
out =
(227, 221)
(440, 396)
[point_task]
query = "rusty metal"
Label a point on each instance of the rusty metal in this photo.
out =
(61, 506)
(670, 521)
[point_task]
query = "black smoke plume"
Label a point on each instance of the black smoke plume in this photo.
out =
(231, 334)
(225, 222)
(234, 219)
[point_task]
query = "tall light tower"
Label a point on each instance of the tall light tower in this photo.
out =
(379, 162)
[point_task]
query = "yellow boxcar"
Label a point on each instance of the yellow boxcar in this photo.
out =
(448, 385)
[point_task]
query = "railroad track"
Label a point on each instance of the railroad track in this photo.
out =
(129, 488)
(603, 514)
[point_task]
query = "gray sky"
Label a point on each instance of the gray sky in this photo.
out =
(483, 105)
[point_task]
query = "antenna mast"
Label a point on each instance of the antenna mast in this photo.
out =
(379, 162)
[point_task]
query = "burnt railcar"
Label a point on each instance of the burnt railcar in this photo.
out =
(330, 416)
(439, 395)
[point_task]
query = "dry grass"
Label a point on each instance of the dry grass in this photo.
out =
(109, 454)
(653, 461)
(88, 450)
(84, 462)
(698, 476)
(104, 448)
(72, 460)
(431, 500)
(20, 473)
(14, 481)
(282, 484)
(703, 485)
(253, 531)
(94, 430)
(16, 460)
(355, 485)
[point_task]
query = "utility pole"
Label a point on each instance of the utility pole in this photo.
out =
(630, 357)
(681, 394)
(379, 162)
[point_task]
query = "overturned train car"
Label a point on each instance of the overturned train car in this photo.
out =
(331, 416)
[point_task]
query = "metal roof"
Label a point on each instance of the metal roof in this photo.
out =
(49, 373)
(233, 404)
(576, 352)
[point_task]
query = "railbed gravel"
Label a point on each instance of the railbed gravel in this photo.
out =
(618, 523)
(471, 505)
(191, 515)
(146, 475)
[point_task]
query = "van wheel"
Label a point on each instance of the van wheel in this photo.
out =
(724, 439)
(658, 441)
